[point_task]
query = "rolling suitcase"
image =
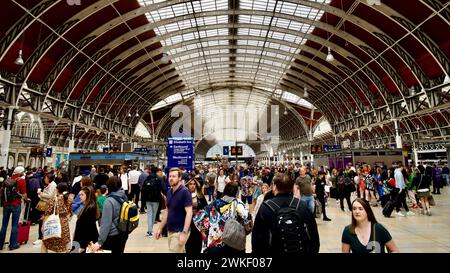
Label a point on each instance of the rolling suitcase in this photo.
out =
(384, 199)
(388, 209)
(24, 226)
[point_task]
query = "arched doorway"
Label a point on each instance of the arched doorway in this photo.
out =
(32, 162)
(21, 160)
(11, 163)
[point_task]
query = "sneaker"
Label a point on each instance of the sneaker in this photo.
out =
(142, 212)
(400, 214)
(410, 213)
(14, 247)
(37, 242)
(327, 219)
(149, 234)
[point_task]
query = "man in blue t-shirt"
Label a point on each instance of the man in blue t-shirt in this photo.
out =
(179, 213)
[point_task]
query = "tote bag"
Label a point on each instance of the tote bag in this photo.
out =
(52, 225)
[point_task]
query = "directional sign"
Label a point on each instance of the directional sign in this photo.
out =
(180, 153)
(226, 150)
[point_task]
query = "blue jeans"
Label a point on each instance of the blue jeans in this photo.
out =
(309, 201)
(7, 211)
(152, 209)
(445, 179)
(211, 193)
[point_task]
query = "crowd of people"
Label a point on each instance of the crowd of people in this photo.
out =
(213, 208)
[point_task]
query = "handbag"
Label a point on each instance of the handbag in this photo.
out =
(234, 232)
(42, 206)
(52, 225)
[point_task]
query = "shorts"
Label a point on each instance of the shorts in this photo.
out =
(424, 194)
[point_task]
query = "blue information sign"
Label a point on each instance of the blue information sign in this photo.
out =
(48, 153)
(180, 153)
(226, 150)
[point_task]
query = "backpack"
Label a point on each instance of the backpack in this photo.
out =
(348, 181)
(128, 217)
(289, 233)
(152, 189)
(341, 182)
(9, 192)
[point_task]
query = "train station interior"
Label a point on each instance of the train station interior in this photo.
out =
(236, 84)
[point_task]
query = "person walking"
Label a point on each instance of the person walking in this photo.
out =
(153, 190)
(86, 228)
(109, 237)
(422, 181)
(365, 234)
(194, 243)
(179, 213)
(62, 206)
(304, 185)
(211, 221)
(320, 193)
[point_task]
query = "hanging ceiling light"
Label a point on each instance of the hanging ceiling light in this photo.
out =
(129, 114)
(165, 58)
(19, 60)
(137, 114)
(305, 92)
(330, 56)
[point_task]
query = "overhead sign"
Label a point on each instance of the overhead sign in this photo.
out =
(236, 150)
(226, 150)
(316, 149)
(180, 153)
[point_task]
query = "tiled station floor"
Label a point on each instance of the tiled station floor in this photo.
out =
(412, 234)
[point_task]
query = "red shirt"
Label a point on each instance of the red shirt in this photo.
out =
(21, 187)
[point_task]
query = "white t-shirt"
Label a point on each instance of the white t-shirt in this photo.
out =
(134, 176)
(221, 182)
(76, 180)
(124, 179)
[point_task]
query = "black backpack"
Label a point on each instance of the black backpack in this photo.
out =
(9, 192)
(289, 233)
(152, 189)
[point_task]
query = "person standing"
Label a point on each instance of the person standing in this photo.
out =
(134, 182)
(211, 178)
(109, 236)
(86, 227)
(267, 237)
(365, 234)
(304, 185)
(194, 243)
(12, 201)
(320, 193)
(62, 205)
(445, 175)
(152, 191)
(401, 186)
(221, 181)
(179, 213)
(211, 220)
(422, 181)
(46, 195)
(141, 181)
(125, 178)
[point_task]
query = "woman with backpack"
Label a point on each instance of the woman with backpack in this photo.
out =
(86, 226)
(365, 234)
(109, 236)
(194, 242)
(212, 219)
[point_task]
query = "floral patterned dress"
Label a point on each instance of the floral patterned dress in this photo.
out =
(211, 220)
(64, 209)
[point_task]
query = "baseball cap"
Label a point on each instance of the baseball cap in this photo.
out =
(19, 169)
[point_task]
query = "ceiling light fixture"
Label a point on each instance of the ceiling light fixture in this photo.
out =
(19, 60)
(305, 92)
(137, 114)
(165, 58)
(374, 2)
(129, 115)
(330, 56)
